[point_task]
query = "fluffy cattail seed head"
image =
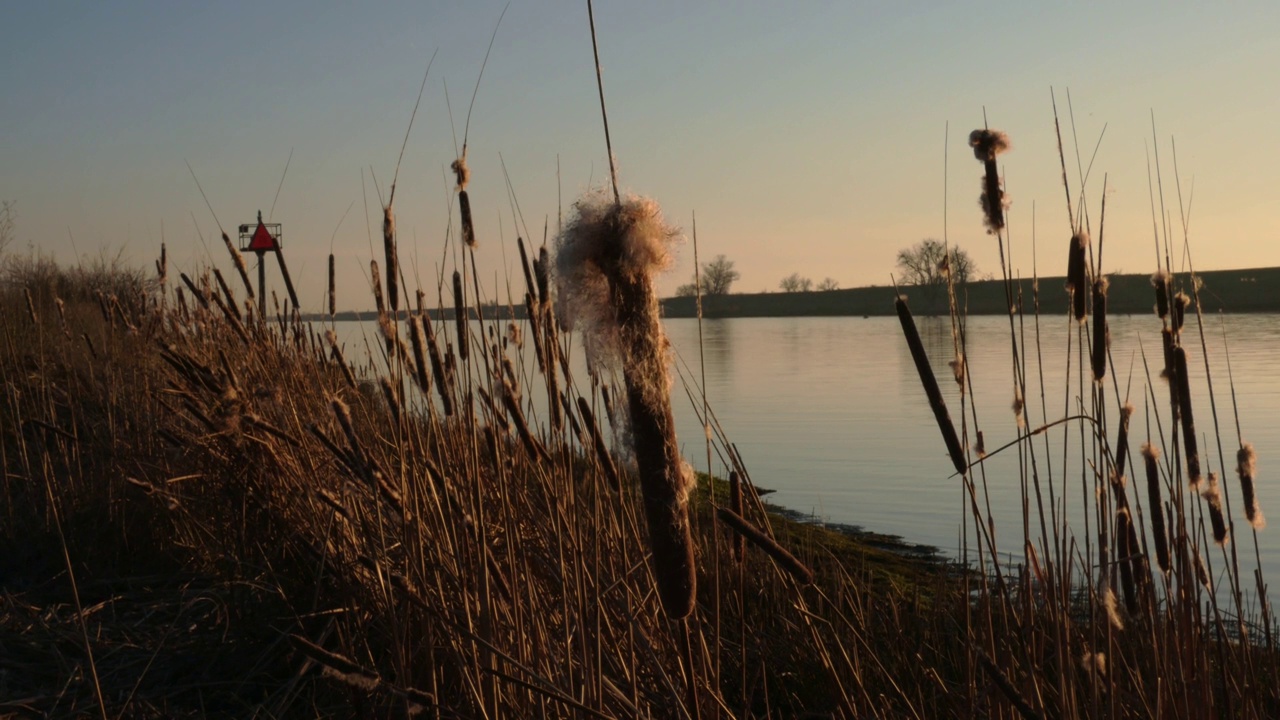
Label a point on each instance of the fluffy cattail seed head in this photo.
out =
(1246, 466)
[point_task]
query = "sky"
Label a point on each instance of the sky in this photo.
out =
(816, 138)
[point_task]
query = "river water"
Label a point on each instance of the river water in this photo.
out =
(829, 413)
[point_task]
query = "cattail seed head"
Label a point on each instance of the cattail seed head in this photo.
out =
(1122, 441)
(1189, 440)
(393, 263)
(468, 225)
(333, 294)
(1101, 334)
(1161, 281)
(606, 259)
(1150, 455)
(1076, 271)
(931, 389)
(987, 144)
(1180, 304)
(780, 555)
(1212, 495)
(461, 173)
(1246, 466)
(1112, 609)
(460, 315)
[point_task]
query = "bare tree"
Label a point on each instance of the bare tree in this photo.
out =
(717, 278)
(829, 284)
(795, 283)
(927, 263)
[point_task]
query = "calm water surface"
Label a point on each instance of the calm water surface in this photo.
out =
(829, 412)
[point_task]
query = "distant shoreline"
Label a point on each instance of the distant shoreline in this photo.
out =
(1246, 290)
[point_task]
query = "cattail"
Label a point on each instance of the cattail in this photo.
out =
(392, 397)
(460, 315)
(238, 259)
(524, 265)
(1129, 559)
(987, 144)
(514, 336)
(1122, 440)
(980, 445)
(780, 555)
(1018, 406)
(735, 504)
(31, 307)
(200, 297)
(1161, 281)
(607, 399)
(463, 175)
(333, 293)
(1156, 506)
(393, 262)
(940, 413)
(419, 354)
(957, 369)
(542, 270)
(535, 329)
(1212, 495)
(1076, 270)
(376, 279)
(162, 265)
(1101, 334)
(605, 259)
(1246, 466)
(1189, 441)
(1180, 304)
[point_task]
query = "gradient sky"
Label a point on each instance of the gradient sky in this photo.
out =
(808, 137)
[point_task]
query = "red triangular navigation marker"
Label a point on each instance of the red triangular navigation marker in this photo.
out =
(262, 240)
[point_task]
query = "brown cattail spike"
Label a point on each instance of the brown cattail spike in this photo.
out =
(1189, 441)
(1180, 304)
(931, 389)
(1076, 271)
(463, 175)
(1161, 283)
(606, 259)
(1212, 495)
(460, 315)
(1101, 334)
(1246, 466)
(1122, 440)
(780, 555)
(333, 294)
(1127, 550)
(1155, 506)
(987, 144)
(393, 263)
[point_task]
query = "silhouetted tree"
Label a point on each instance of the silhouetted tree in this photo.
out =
(718, 277)
(795, 283)
(927, 263)
(829, 284)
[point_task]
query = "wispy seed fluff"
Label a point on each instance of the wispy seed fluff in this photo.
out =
(987, 144)
(606, 260)
(1112, 609)
(1246, 467)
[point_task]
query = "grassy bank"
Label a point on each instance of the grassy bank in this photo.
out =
(211, 515)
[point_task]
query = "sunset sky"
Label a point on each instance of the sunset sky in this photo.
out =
(808, 137)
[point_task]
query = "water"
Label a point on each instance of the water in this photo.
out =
(829, 412)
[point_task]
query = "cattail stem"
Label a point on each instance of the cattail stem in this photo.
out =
(597, 443)
(780, 555)
(735, 504)
(931, 389)
(238, 260)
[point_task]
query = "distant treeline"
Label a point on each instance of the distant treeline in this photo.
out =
(1237, 291)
